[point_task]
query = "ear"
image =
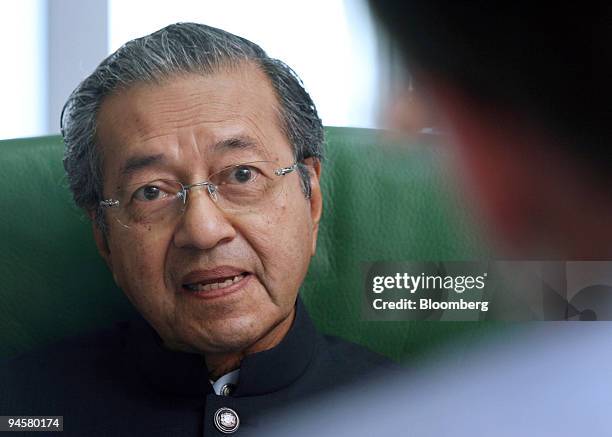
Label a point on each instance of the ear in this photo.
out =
(316, 198)
(101, 240)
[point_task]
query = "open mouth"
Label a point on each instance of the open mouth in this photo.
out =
(215, 283)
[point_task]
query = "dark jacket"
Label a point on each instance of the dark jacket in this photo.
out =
(124, 382)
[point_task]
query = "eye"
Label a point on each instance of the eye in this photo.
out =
(242, 174)
(251, 175)
(149, 193)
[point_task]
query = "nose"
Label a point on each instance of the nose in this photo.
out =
(203, 225)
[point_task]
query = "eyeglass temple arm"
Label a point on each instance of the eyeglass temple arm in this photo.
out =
(109, 203)
(284, 170)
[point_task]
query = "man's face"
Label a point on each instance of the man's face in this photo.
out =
(185, 129)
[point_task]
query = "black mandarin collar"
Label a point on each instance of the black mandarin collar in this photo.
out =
(186, 374)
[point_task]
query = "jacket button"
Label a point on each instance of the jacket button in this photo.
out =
(227, 389)
(226, 420)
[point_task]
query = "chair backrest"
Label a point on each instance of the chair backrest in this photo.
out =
(382, 203)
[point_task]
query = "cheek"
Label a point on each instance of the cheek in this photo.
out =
(139, 265)
(282, 239)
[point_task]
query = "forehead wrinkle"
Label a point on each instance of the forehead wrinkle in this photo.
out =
(170, 126)
(177, 107)
(173, 114)
(152, 129)
(164, 109)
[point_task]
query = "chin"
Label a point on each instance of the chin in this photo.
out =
(224, 336)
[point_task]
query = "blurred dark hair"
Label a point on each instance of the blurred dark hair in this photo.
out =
(550, 61)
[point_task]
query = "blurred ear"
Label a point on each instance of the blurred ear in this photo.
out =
(316, 198)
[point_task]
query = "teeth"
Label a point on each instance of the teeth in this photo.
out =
(215, 285)
(229, 282)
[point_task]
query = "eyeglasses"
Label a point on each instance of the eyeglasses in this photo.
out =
(240, 188)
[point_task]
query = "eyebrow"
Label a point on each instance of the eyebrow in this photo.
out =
(136, 163)
(236, 143)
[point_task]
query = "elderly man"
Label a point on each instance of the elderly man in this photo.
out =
(197, 158)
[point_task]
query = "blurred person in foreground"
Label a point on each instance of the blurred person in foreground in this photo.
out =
(197, 158)
(521, 91)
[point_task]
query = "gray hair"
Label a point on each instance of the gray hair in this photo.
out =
(177, 49)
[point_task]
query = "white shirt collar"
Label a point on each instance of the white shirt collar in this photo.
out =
(228, 378)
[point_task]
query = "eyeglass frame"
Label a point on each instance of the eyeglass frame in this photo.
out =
(210, 187)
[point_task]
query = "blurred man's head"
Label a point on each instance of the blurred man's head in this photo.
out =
(523, 90)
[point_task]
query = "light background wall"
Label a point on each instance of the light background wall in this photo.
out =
(49, 46)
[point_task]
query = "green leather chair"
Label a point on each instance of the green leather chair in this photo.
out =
(382, 202)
